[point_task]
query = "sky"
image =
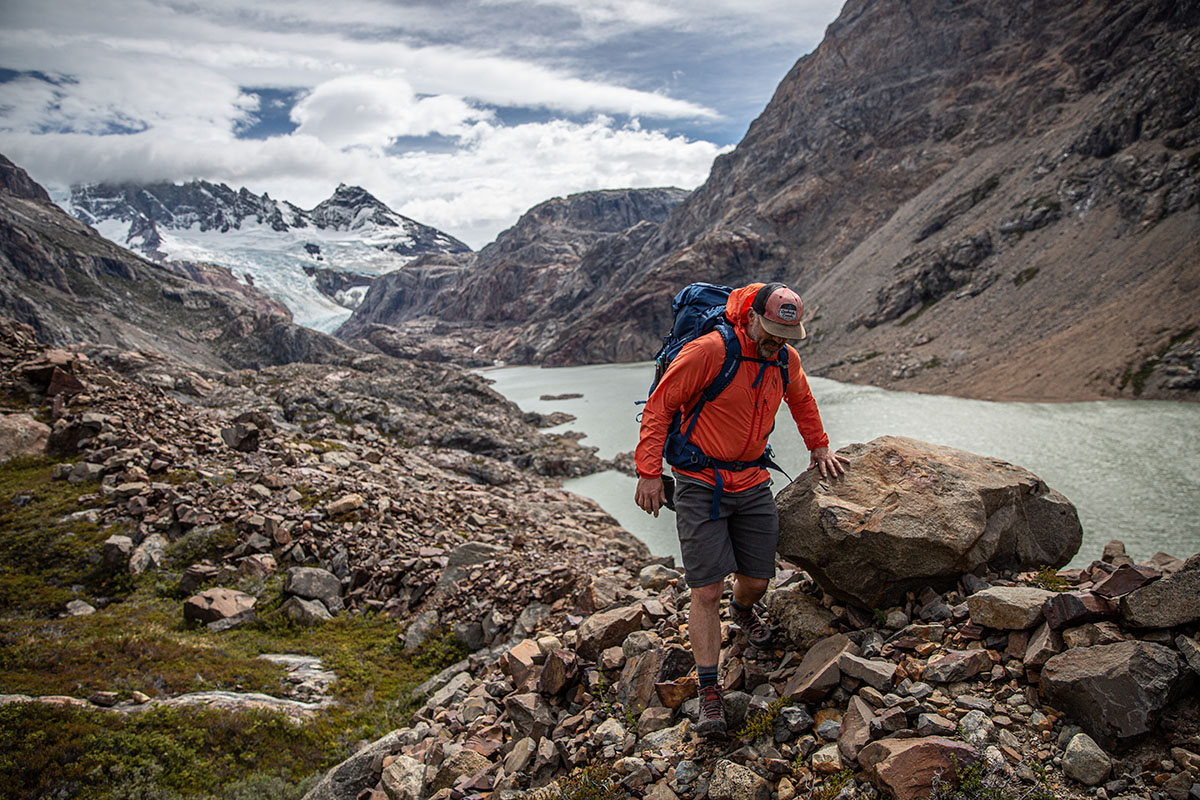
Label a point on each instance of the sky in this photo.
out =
(461, 114)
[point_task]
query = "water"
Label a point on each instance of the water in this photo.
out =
(1132, 468)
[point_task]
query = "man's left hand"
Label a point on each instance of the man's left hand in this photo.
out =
(830, 463)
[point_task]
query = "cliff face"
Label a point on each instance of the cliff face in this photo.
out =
(984, 198)
(534, 271)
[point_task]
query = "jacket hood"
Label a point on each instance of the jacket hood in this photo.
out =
(737, 307)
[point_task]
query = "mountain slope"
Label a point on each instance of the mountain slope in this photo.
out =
(1024, 178)
(73, 285)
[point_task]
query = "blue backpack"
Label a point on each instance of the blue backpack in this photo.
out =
(699, 308)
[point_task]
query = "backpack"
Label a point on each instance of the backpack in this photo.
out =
(698, 309)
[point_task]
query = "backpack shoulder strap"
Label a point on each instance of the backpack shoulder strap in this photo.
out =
(729, 368)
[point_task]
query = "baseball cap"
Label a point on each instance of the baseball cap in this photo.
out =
(779, 310)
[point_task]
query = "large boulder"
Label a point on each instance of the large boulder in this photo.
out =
(1173, 600)
(360, 771)
(1115, 692)
(607, 629)
(216, 604)
(313, 583)
(910, 514)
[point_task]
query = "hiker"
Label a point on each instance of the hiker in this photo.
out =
(726, 515)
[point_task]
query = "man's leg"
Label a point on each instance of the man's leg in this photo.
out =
(754, 534)
(704, 623)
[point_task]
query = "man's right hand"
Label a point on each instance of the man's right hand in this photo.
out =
(650, 495)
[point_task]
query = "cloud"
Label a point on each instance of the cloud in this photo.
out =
(373, 111)
(472, 192)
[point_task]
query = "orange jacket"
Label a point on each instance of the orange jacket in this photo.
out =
(735, 425)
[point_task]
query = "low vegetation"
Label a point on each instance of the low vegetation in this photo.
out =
(138, 642)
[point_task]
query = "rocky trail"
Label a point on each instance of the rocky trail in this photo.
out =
(411, 492)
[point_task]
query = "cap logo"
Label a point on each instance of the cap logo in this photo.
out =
(787, 312)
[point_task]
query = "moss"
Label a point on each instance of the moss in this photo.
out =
(1025, 275)
(210, 541)
(142, 644)
(1048, 578)
(44, 550)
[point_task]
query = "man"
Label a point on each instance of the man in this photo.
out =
(737, 531)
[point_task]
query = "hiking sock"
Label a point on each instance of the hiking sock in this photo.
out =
(736, 606)
(707, 675)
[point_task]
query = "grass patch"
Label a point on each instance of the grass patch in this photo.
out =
(592, 782)
(932, 363)
(982, 781)
(761, 723)
(44, 551)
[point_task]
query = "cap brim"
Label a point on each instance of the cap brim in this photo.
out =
(793, 332)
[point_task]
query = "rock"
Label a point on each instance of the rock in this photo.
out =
(656, 577)
(957, 665)
(911, 514)
(935, 725)
(609, 732)
(1170, 601)
(827, 760)
(801, 617)
(976, 728)
(1008, 608)
(79, 608)
(877, 674)
(216, 604)
(1115, 692)
(520, 662)
(1092, 634)
(464, 762)
(819, 672)
(607, 629)
(530, 714)
(904, 768)
(1124, 580)
(520, 757)
(560, 671)
(668, 739)
(856, 729)
(731, 781)
(242, 437)
(1085, 762)
(313, 583)
(661, 791)
(656, 718)
(85, 471)
(21, 435)
(1069, 609)
(150, 554)
(473, 553)
(356, 774)
(116, 551)
(792, 721)
(345, 504)
(673, 694)
(642, 673)
(404, 779)
(1189, 648)
(420, 629)
(305, 612)
(1043, 645)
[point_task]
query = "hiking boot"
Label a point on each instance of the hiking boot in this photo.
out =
(711, 722)
(757, 632)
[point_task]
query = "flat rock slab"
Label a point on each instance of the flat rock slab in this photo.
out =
(1008, 608)
(910, 514)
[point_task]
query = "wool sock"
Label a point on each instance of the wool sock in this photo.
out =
(736, 606)
(707, 675)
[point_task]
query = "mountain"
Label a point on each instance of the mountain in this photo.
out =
(71, 285)
(981, 198)
(536, 272)
(275, 244)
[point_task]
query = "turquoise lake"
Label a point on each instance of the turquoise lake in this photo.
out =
(1132, 468)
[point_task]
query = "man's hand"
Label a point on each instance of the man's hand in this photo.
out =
(650, 495)
(828, 462)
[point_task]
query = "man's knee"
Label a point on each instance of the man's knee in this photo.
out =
(708, 596)
(756, 586)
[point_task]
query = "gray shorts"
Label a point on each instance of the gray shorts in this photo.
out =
(742, 540)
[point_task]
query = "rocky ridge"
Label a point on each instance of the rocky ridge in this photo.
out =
(205, 206)
(972, 199)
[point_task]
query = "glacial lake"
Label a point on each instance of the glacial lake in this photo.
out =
(1132, 468)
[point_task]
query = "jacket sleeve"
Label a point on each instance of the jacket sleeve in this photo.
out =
(696, 365)
(803, 405)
